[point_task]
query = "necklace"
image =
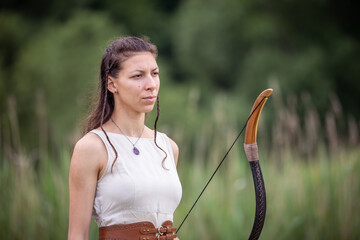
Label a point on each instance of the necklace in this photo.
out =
(135, 149)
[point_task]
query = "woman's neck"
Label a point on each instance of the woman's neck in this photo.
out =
(130, 123)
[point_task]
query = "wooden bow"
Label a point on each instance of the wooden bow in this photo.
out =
(251, 150)
(253, 157)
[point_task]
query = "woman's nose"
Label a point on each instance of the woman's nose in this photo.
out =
(151, 83)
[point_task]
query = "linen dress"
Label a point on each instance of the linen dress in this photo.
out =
(139, 188)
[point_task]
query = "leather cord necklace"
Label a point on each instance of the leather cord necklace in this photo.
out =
(135, 149)
(252, 155)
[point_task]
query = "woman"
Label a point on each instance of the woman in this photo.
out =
(122, 172)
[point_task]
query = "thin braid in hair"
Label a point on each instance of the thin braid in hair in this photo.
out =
(102, 118)
(155, 131)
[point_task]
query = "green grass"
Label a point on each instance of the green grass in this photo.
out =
(316, 199)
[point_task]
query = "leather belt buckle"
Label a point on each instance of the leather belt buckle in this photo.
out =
(159, 233)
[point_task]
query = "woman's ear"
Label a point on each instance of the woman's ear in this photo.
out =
(111, 85)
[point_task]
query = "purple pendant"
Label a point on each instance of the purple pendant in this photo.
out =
(136, 151)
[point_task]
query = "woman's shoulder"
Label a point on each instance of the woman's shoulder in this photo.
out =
(89, 142)
(172, 142)
(175, 149)
(89, 148)
(174, 146)
(88, 159)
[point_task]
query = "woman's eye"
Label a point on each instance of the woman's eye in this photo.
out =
(137, 76)
(155, 73)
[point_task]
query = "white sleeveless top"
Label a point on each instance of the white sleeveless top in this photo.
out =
(139, 188)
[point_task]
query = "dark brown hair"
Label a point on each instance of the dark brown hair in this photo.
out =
(116, 53)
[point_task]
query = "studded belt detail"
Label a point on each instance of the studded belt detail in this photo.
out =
(138, 231)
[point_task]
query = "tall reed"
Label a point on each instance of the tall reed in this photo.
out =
(312, 199)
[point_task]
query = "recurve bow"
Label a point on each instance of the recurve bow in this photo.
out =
(251, 150)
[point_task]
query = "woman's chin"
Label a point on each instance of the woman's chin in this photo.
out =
(148, 109)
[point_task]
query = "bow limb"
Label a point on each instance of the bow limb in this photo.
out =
(252, 155)
(251, 150)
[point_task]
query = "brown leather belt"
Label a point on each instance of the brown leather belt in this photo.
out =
(138, 231)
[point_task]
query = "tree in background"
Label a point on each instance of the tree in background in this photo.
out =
(50, 50)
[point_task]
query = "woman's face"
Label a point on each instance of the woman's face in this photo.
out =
(137, 83)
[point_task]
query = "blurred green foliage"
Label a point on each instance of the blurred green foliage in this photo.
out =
(314, 200)
(52, 49)
(241, 45)
(215, 57)
(62, 61)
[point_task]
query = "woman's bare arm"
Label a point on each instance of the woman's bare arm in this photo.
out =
(175, 149)
(86, 164)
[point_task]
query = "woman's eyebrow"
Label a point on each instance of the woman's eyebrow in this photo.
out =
(141, 71)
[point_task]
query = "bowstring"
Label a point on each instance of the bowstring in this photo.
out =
(217, 168)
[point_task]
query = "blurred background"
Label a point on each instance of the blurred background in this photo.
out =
(215, 57)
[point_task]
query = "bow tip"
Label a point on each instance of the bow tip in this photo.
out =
(266, 93)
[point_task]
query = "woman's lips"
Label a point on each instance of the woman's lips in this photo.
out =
(150, 98)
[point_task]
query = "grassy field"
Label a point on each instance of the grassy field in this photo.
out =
(311, 172)
(306, 200)
(316, 199)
